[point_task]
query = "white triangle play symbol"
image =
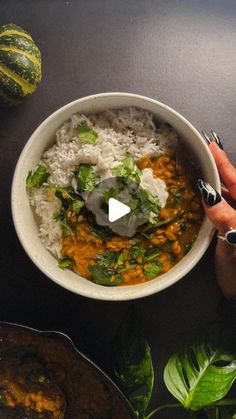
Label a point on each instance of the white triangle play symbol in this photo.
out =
(116, 210)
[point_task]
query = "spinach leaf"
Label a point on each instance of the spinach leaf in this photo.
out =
(86, 178)
(86, 134)
(153, 269)
(38, 177)
(137, 252)
(133, 364)
(64, 263)
(195, 376)
(104, 276)
(127, 170)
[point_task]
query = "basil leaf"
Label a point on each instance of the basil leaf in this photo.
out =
(86, 178)
(107, 277)
(65, 263)
(195, 377)
(86, 134)
(153, 269)
(133, 363)
(37, 178)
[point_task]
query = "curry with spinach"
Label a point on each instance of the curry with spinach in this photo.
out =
(106, 258)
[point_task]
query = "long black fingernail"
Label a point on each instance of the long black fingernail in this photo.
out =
(209, 195)
(217, 139)
(206, 137)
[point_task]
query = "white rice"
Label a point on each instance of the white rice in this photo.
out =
(121, 132)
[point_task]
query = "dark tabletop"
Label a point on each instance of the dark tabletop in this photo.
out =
(180, 52)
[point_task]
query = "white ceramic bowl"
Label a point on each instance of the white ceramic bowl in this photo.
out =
(23, 216)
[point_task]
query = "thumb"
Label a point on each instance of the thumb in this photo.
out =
(221, 214)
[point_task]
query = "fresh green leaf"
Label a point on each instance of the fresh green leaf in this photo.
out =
(86, 178)
(121, 258)
(66, 230)
(77, 205)
(86, 134)
(106, 258)
(58, 216)
(38, 177)
(110, 193)
(148, 202)
(133, 364)
(128, 170)
(151, 253)
(65, 263)
(153, 269)
(104, 276)
(137, 252)
(196, 379)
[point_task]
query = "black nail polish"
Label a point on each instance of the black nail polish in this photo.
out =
(217, 139)
(209, 195)
(205, 136)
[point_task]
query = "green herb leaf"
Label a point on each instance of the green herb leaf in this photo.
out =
(65, 263)
(195, 377)
(86, 178)
(77, 205)
(121, 258)
(127, 170)
(101, 231)
(37, 178)
(104, 276)
(106, 258)
(86, 134)
(137, 252)
(153, 269)
(133, 364)
(66, 230)
(110, 193)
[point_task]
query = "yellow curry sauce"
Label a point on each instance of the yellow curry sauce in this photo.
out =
(179, 224)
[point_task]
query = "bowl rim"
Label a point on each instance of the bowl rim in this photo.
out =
(68, 341)
(128, 292)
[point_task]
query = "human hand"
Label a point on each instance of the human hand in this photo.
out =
(221, 211)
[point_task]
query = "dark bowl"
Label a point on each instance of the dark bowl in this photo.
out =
(89, 393)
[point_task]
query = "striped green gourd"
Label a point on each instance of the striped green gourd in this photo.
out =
(20, 65)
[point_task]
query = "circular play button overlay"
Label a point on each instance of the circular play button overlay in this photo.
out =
(119, 205)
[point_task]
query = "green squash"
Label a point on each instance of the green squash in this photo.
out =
(20, 65)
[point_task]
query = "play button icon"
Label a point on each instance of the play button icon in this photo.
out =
(116, 210)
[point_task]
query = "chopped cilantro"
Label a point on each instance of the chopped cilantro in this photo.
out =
(121, 258)
(137, 252)
(86, 178)
(66, 230)
(110, 193)
(85, 134)
(153, 269)
(37, 178)
(106, 258)
(127, 170)
(77, 205)
(65, 263)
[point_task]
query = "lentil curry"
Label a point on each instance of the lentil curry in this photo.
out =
(98, 254)
(42, 376)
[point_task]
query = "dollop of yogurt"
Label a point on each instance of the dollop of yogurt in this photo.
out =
(156, 186)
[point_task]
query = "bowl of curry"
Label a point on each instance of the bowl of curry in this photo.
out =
(165, 234)
(43, 375)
